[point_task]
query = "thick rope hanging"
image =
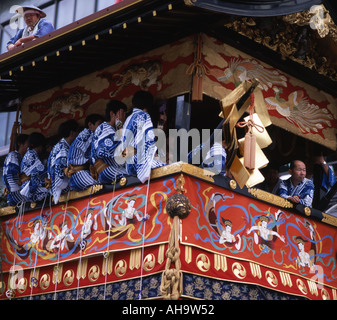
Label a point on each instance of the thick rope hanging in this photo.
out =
(171, 282)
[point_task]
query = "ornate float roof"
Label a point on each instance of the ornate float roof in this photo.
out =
(132, 27)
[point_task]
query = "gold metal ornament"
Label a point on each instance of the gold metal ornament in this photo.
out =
(149, 262)
(123, 181)
(271, 278)
(203, 262)
(120, 268)
(239, 270)
(178, 205)
(93, 273)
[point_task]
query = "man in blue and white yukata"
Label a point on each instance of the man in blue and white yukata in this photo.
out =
(214, 160)
(33, 171)
(297, 188)
(11, 170)
(79, 157)
(104, 144)
(138, 139)
(36, 26)
(58, 159)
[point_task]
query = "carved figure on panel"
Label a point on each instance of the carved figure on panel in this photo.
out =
(66, 104)
(142, 75)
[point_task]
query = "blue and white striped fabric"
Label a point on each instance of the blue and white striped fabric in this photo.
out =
(80, 154)
(305, 190)
(138, 133)
(10, 177)
(103, 147)
(33, 190)
(215, 158)
(57, 162)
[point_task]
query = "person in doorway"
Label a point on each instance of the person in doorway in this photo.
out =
(36, 26)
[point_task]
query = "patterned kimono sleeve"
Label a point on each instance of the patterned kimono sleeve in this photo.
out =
(307, 194)
(57, 162)
(283, 190)
(104, 142)
(11, 171)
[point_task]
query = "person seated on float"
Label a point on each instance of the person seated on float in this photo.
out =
(58, 159)
(215, 158)
(11, 170)
(138, 148)
(33, 171)
(79, 157)
(297, 188)
(272, 180)
(104, 143)
(36, 26)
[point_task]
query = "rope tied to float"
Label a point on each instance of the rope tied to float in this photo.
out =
(171, 282)
(250, 122)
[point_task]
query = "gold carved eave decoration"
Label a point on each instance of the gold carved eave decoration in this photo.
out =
(296, 37)
(318, 18)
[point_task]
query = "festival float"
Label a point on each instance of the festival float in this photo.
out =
(199, 235)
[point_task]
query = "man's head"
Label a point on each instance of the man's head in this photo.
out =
(37, 141)
(115, 112)
(21, 143)
(68, 130)
(143, 100)
(31, 14)
(298, 171)
(93, 121)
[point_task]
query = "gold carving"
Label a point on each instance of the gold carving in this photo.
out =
(307, 211)
(7, 210)
(286, 39)
(232, 184)
(82, 268)
(180, 184)
(239, 270)
(286, 279)
(107, 263)
(80, 194)
(220, 262)
(255, 270)
(123, 181)
(325, 294)
(188, 254)
(183, 168)
(135, 258)
(22, 285)
(149, 262)
(45, 281)
(269, 197)
(271, 278)
(161, 253)
(57, 273)
(301, 286)
(68, 277)
(203, 262)
(93, 273)
(120, 268)
(329, 219)
(312, 287)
